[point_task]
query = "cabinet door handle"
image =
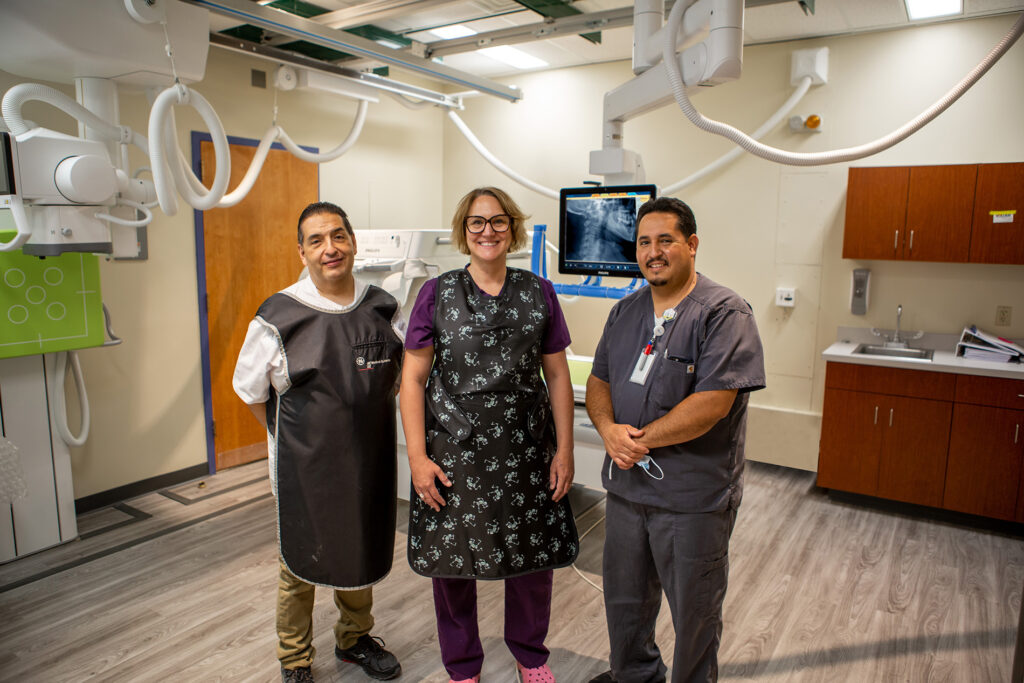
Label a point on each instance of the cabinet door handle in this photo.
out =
(911, 240)
(895, 240)
(890, 417)
(876, 414)
(1016, 433)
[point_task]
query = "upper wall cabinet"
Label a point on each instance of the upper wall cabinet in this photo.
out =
(997, 236)
(926, 213)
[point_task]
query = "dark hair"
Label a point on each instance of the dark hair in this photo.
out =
(324, 207)
(685, 221)
(508, 206)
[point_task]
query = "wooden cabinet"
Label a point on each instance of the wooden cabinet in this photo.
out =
(885, 431)
(939, 204)
(930, 438)
(913, 463)
(876, 212)
(994, 238)
(936, 213)
(851, 442)
(985, 469)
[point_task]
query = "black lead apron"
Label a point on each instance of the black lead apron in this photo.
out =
(335, 436)
(489, 427)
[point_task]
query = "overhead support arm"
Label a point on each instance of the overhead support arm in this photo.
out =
(279, 56)
(310, 31)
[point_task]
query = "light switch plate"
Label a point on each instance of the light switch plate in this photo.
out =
(785, 297)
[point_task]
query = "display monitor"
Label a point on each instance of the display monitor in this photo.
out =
(6, 165)
(597, 229)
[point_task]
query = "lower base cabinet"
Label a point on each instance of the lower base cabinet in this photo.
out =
(929, 438)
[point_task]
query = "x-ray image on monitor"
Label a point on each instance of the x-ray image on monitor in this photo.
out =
(598, 229)
(603, 229)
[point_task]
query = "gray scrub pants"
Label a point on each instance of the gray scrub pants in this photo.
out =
(646, 549)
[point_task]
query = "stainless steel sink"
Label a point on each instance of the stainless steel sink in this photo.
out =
(890, 352)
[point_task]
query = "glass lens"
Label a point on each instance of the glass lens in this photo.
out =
(500, 222)
(475, 223)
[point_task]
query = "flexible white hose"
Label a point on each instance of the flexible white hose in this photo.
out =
(24, 92)
(353, 135)
(184, 177)
(781, 113)
(18, 95)
(834, 156)
(253, 172)
(486, 154)
(138, 223)
(61, 409)
(158, 117)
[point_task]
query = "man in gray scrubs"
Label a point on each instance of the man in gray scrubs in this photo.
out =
(668, 394)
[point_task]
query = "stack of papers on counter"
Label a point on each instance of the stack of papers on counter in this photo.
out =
(977, 345)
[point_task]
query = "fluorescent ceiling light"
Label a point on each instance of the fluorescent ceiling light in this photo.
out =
(513, 57)
(927, 9)
(452, 32)
(389, 43)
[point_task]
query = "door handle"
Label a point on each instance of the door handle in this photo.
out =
(890, 417)
(911, 240)
(1016, 433)
(895, 240)
(876, 414)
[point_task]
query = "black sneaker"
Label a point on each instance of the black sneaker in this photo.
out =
(303, 674)
(606, 677)
(369, 653)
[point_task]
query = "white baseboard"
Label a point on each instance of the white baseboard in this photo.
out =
(783, 437)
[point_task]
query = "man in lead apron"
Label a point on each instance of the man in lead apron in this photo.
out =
(668, 394)
(319, 368)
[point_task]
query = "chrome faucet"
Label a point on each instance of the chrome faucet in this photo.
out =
(896, 338)
(897, 341)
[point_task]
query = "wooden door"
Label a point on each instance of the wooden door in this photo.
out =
(984, 469)
(876, 212)
(997, 238)
(940, 202)
(850, 441)
(250, 253)
(915, 441)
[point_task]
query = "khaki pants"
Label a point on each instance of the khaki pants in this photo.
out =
(295, 618)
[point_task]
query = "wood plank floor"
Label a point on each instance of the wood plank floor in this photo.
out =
(179, 586)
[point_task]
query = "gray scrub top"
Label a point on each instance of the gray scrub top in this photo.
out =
(712, 344)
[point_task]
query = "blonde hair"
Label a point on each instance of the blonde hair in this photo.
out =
(508, 206)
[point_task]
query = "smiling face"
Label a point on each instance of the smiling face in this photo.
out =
(665, 255)
(487, 246)
(327, 250)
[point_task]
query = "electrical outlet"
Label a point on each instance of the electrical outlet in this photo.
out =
(1003, 316)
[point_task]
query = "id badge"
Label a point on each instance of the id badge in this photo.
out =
(642, 368)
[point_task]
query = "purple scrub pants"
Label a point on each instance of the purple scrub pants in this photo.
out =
(527, 614)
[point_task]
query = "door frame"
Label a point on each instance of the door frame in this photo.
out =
(199, 137)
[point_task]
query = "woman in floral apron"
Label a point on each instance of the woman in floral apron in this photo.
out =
(489, 441)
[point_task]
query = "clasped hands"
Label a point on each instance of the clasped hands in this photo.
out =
(621, 443)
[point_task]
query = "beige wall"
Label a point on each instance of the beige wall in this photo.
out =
(764, 225)
(761, 225)
(146, 394)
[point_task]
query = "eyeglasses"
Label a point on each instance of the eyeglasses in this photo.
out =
(499, 223)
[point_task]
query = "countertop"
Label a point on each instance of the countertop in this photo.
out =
(943, 360)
